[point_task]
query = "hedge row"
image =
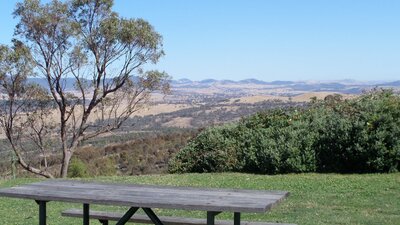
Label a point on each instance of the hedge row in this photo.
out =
(359, 135)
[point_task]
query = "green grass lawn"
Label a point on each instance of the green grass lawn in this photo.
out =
(315, 198)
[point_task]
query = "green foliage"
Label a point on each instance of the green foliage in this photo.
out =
(333, 135)
(280, 143)
(362, 135)
(104, 166)
(218, 153)
(77, 168)
(15, 66)
(89, 162)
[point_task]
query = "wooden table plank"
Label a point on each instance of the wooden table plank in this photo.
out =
(169, 192)
(149, 187)
(148, 196)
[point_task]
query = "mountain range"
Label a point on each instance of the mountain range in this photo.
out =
(340, 86)
(247, 86)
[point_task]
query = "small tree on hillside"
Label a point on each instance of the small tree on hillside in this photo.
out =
(24, 107)
(86, 41)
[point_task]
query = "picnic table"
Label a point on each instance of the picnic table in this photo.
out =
(147, 197)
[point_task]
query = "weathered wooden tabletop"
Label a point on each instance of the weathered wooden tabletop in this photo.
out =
(148, 196)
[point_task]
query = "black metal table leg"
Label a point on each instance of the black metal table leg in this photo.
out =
(127, 216)
(153, 217)
(42, 212)
(211, 217)
(85, 214)
(236, 218)
(104, 222)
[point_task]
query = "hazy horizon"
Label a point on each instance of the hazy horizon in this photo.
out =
(317, 80)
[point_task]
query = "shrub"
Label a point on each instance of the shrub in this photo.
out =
(104, 166)
(77, 168)
(218, 153)
(361, 135)
(332, 135)
(275, 143)
(280, 144)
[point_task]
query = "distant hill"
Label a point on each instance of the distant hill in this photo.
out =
(248, 87)
(391, 84)
(68, 83)
(252, 81)
(208, 81)
(281, 82)
(181, 81)
(279, 87)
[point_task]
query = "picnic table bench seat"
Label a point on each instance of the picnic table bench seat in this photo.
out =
(104, 217)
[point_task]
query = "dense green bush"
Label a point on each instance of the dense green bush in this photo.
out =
(217, 152)
(77, 168)
(333, 135)
(360, 135)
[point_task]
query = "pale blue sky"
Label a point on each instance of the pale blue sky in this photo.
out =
(268, 39)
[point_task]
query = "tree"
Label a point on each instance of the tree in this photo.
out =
(24, 107)
(86, 41)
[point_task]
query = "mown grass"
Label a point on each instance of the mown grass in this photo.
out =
(315, 198)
